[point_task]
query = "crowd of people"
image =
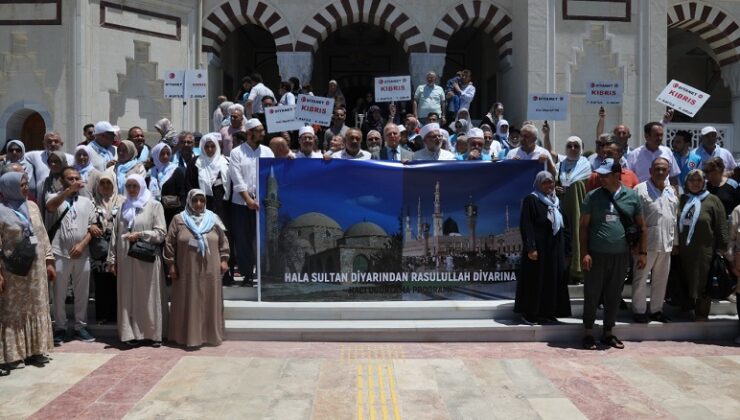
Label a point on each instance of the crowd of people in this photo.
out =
(121, 217)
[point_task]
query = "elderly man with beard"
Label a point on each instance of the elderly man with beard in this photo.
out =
(70, 236)
(476, 146)
(374, 143)
(392, 149)
(307, 143)
(244, 203)
(432, 145)
(352, 142)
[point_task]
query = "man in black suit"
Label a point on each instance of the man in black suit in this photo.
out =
(392, 150)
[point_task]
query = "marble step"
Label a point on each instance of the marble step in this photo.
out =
(404, 310)
(452, 330)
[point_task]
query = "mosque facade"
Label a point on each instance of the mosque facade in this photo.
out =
(67, 63)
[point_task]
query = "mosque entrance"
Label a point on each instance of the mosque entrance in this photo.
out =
(248, 49)
(472, 48)
(691, 60)
(353, 55)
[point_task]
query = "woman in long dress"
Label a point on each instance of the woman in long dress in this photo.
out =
(210, 173)
(25, 323)
(542, 290)
(141, 301)
(167, 182)
(108, 205)
(703, 231)
(197, 254)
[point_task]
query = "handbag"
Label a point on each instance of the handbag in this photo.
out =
(55, 227)
(171, 202)
(22, 258)
(719, 282)
(99, 246)
(144, 251)
(632, 231)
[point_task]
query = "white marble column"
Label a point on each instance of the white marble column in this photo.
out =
(421, 63)
(731, 76)
(295, 64)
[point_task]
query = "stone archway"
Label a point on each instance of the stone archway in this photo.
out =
(493, 19)
(227, 17)
(27, 122)
(374, 12)
(711, 24)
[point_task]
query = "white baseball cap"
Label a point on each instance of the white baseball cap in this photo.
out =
(104, 127)
(708, 129)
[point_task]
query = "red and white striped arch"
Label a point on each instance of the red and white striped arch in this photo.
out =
(710, 23)
(494, 20)
(230, 15)
(346, 12)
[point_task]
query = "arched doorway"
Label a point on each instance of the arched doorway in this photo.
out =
(354, 55)
(27, 125)
(360, 264)
(691, 60)
(472, 48)
(248, 49)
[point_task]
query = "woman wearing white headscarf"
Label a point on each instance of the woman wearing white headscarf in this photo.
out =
(16, 153)
(141, 300)
(84, 166)
(211, 174)
(702, 231)
(573, 173)
(197, 254)
(127, 164)
(25, 322)
(167, 182)
(541, 290)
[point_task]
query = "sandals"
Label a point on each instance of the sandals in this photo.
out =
(612, 341)
(589, 343)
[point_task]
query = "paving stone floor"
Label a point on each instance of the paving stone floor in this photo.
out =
(379, 381)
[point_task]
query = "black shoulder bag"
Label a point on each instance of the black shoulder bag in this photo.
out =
(55, 227)
(632, 231)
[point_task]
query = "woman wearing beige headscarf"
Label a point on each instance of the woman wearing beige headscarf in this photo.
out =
(197, 254)
(126, 165)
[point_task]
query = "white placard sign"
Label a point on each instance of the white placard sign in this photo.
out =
(196, 84)
(683, 98)
(389, 89)
(547, 106)
(174, 84)
(281, 118)
(314, 109)
(604, 92)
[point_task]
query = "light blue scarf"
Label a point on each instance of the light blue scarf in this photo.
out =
(198, 223)
(553, 210)
(121, 171)
(694, 202)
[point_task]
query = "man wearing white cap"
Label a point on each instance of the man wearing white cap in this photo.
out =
(243, 174)
(709, 149)
(307, 143)
(352, 142)
(103, 152)
(432, 150)
(529, 150)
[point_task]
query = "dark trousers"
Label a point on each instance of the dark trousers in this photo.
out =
(106, 301)
(606, 276)
(244, 232)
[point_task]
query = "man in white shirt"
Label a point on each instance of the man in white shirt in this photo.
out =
(640, 160)
(429, 98)
(103, 152)
(528, 149)
(432, 145)
(52, 143)
(352, 142)
(243, 174)
(307, 143)
(254, 100)
(708, 149)
(73, 216)
(659, 209)
(392, 149)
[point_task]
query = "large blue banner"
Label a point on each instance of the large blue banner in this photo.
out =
(343, 230)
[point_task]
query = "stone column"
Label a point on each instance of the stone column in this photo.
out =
(731, 76)
(421, 63)
(295, 64)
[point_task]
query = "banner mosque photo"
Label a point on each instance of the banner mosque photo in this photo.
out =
(68, 63)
